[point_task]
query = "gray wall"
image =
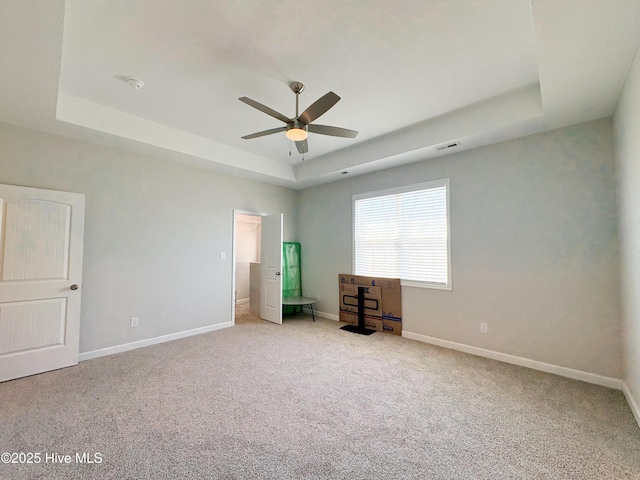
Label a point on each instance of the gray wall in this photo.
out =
(154, 231)
(627, 146)
(534, 247)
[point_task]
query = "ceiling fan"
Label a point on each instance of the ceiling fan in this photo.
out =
(298, 127)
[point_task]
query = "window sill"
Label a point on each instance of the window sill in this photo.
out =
(432, 286)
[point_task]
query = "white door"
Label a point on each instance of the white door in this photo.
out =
(271, 268)
(41, 235)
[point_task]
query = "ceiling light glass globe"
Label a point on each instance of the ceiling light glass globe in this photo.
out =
(297, 134)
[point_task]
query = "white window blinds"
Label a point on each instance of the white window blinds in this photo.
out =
(404, 233)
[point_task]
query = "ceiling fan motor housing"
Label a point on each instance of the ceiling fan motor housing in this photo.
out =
(297, 125)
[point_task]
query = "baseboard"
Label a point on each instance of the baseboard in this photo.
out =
(242, 301)
(151, 341)
(596, 379)
(632, 402)
(317, 313)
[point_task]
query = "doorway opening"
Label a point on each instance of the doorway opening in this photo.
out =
(248, 230)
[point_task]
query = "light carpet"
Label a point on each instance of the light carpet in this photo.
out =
(308, 400)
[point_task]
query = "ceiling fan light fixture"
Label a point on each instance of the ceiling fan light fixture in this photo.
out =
(296, 133)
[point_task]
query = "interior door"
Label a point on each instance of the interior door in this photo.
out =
(271, 268)
(41, 235)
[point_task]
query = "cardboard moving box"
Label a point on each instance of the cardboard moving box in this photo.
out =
(349, 299)
(392, 326)
(382, 301)
(372, 323)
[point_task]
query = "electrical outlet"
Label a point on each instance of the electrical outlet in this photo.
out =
(318, 297)
(134, 321)
(484, 328)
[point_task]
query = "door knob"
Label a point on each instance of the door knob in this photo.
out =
(74, 287)
(277, 273)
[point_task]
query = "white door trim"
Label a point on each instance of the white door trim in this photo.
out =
(237, 212)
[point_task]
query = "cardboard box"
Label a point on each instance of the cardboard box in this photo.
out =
(387, 291)
(372, 323)
(372, 299)
(392, 326)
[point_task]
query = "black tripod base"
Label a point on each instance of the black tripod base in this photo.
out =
(357, 329)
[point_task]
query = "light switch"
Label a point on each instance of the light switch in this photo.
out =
(223, 255)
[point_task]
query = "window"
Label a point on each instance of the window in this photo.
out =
(404, 233)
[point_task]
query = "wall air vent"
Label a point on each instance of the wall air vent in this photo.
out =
(447, 146)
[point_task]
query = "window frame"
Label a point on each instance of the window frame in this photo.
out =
(444, 182)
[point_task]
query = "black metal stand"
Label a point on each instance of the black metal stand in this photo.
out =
(359, 329)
